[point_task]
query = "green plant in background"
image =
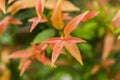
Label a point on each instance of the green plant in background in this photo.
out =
(54, 34)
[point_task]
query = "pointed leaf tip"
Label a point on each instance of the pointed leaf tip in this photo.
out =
(25, 66)
(72, 25)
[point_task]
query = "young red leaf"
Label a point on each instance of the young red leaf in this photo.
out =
(21, 54)
(25, 66)
(22, 62)
(74, 40)
(74, 51)
(14, 21)
(36, 21)
(3, 25)
(42, 58)
(66, 16)
(39, 7)
(10, 1)
(53, 40)
(74, 23)
(56, 18)
(108, 45)
(57, 49)
(95, 69)
(90, 15)
(116, 20)
(19, 5)
(2, 6)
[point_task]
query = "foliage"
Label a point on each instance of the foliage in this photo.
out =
(59, 33)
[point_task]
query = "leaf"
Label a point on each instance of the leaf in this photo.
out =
(10, 1)
(95, 69)
(53, 40)
(21, 54)
(66, 5)
(108, 45)
(42, 58)
(66, 16)
(73, 23)
(25, 66)
(90, 15)
(3, 25)
(36, 21)
(116, 20)
(56, 18)
(74, 51)
(57, 49)
(74, 40)
(2, 6)
(14, 21)
(39, 7)
(19, 5)
(42, 36)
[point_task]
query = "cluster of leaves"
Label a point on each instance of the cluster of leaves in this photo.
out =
(61, 34)
(56, 43)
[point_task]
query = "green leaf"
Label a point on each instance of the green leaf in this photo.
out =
(44, 35)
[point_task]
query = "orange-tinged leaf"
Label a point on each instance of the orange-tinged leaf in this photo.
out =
(116, 20)
(53, 40)
(56, 18)
(20, 4)
(90, 15)
(42, 58)
(39, 7)
(66, 5)
(74, 40)
(66, 16)
(22, 61)
(2, 6)
(14, 21)
(74, 23)
(25, 66)
(74, 51)
(21, 54)
(108, 45)
(3, 25)
(36, 21)
(95, 69)
(10, 1)
(57, 49)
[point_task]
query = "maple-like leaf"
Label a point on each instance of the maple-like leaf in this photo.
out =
(36, 21)
(2, 6)
(56, 18)
(69, 43)
(4, 23)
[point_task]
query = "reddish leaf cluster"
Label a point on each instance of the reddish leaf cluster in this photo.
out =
(31, 53)
(56, 43)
